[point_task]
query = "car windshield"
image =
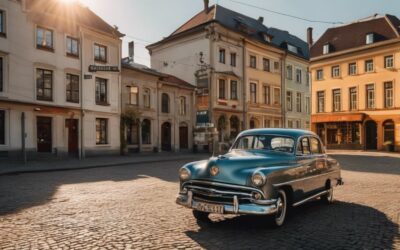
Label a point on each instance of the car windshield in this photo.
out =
(265, 142)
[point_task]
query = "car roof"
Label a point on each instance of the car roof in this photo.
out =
(295, 133)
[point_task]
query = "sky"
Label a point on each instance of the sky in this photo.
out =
(148, 21)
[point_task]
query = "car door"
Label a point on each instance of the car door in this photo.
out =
(306, 163)
(320, 164)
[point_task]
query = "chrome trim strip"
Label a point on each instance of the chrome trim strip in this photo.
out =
(235, 204)
(310, 198)
(306, 178)
(220, 184)
(212, 191)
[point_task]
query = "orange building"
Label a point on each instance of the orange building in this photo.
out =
(355, 85)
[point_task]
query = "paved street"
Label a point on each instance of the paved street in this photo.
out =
(130, 207)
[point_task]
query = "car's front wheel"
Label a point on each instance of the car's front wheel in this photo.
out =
(282, 206)
(201, 216)
(328, 197)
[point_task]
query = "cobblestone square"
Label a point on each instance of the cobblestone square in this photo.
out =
(133, 207)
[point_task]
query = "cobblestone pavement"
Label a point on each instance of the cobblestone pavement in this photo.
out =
(129, 207)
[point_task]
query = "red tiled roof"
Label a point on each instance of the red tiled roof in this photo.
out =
(201, 18)
(176, 80)
(353, 35)
(57, 13)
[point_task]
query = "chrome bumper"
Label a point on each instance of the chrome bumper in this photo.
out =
(264, 208)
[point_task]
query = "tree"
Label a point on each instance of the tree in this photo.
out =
(130, 117)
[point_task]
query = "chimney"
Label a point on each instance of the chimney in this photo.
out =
(206, 3)
(131, 52)
(261, 19)
(310, 37)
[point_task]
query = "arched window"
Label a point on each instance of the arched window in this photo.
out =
(146, 98)
(146, 131)
(182, 105)
(234, 124)
(221, 127)
(165, 103)
(253, 123)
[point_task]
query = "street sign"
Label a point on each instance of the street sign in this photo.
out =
(87, 77)
(95, 68)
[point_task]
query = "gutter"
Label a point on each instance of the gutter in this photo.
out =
(82, 151)
(244, 85)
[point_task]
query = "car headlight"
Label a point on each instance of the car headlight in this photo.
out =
(258, 179)
(184, 174)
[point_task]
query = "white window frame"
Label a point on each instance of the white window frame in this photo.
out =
(389, 62)
(336, 71)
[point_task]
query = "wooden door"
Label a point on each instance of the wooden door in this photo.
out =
(371, 136)
(166, 136)
(73, 144)
(44, 134)
(183, 138)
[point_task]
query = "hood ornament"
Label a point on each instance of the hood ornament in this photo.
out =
(214, 170)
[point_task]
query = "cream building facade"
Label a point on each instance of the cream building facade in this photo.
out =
(60, 85)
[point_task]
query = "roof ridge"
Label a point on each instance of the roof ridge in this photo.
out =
(193, 17)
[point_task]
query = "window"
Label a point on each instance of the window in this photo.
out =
(165, 103)
(388, 94)
(234, 90)
(292, 48)
(101, 91)
(221, 55)
(307, 105)
(336, 100)
(298, 102)
(369, 38)
(44, 38)
(369, 65)
(353, 98)
(267, 123)
(72, 88)
(132, 134)
(335, 71)
(72, 47)
(277, 96)
(298, 75)
(352, 69)
(2, 23)
(146, 132)
(315, 146)
(44, 85)
(233, 59)
(277, 123)
(320, 74)
(2, 127)
(101, 131)
(100, 53)
(290, 123)
(267, 95)
(253, 92)
(321, 101)
(326, 49)
(289, 101)
(304, 147)
(298, 124)
(289, 72)
(1, 74)
(276, 66)
(388, 62)
(253, 62)
(133, 95)
(235, 126)
(182, 105)
(266, 65)
(370, 89)
(146, 98)
(221, 89)
(265, 142)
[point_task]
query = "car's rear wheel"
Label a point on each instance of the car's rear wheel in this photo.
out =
(201, 216)
(282, 205)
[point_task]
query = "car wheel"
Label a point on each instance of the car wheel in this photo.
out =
(201, 216)
(280, 216)
(328, 197)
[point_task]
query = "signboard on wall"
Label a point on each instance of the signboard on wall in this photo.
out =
(95, 68)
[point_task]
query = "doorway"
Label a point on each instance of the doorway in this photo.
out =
(73, 144)
(44, 134)
(166, 136)
(371, 136)
(183, 136)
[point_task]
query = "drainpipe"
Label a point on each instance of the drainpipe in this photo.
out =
(82, 151)
(23, 136)
(244, 83)
(283, 92)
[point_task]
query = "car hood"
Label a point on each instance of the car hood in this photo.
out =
(237, 167)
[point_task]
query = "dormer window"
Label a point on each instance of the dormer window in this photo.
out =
(326, 49)
(369, 38)
(292, 48)
(267, 38)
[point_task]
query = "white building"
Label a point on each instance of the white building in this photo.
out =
(60, 83)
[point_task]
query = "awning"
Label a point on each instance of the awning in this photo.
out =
(356, 117)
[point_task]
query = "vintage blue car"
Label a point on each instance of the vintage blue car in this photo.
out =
(266, 172)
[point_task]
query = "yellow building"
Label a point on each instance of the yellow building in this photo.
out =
(355, 75)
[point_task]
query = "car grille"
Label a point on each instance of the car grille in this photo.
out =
(221, 193)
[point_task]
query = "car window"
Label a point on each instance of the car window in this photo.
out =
(315, 146)
(265, 142)
(304, 146)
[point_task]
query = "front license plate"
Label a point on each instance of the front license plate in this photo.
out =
(209, 208)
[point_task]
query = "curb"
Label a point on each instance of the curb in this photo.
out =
(30, 171)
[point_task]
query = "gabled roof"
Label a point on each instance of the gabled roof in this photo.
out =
(353, 35)
(250, 27)
(175, 80)
(59, 13)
